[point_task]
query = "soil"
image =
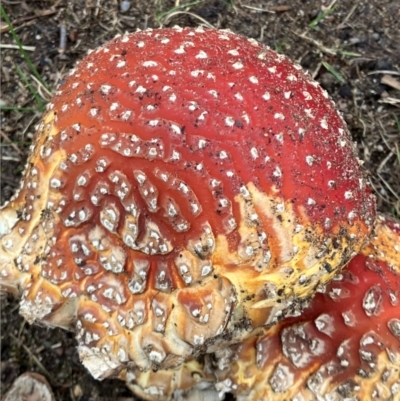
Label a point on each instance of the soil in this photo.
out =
(351, 48)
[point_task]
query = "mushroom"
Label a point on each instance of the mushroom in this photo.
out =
(29, 386)
(185, 188)
(345, 344)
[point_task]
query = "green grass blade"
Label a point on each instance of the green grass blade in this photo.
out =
(21, 49)
(38, 99)
(313, 24)
(397, 122)
(336, 74)
(398, 129)
(346, 53)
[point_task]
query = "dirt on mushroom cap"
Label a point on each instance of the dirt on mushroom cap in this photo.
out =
(111, 212)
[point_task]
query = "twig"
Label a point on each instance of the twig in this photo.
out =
(331, 5)
(262, 29)
(387, 72)
(42, 88)
(10, 142)
(316, 43)
(397, 152)
(19, 21)
(33, 356)
(16, 38)
(28, 125)
(63, 39)
(389, 187)
(377, 192)
(390, 100)
(16, 47)
(188, 13)
(383, 136)
(316, 71)
(384, 161)
(262, 10)
(35, 360)
(280, 9)
(341, 25)
(21, 329)
(362, 122)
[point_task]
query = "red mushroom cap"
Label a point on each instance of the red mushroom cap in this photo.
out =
(345, 345)
(185, 187)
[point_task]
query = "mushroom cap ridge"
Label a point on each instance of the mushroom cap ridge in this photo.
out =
(186, 187)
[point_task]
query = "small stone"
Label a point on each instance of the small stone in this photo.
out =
(125, 6)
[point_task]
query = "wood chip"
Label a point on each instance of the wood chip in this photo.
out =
(390, 100)
(280, 9)
(391, 81)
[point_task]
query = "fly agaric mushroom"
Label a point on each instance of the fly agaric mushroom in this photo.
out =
(345, 345)
(185, 187)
